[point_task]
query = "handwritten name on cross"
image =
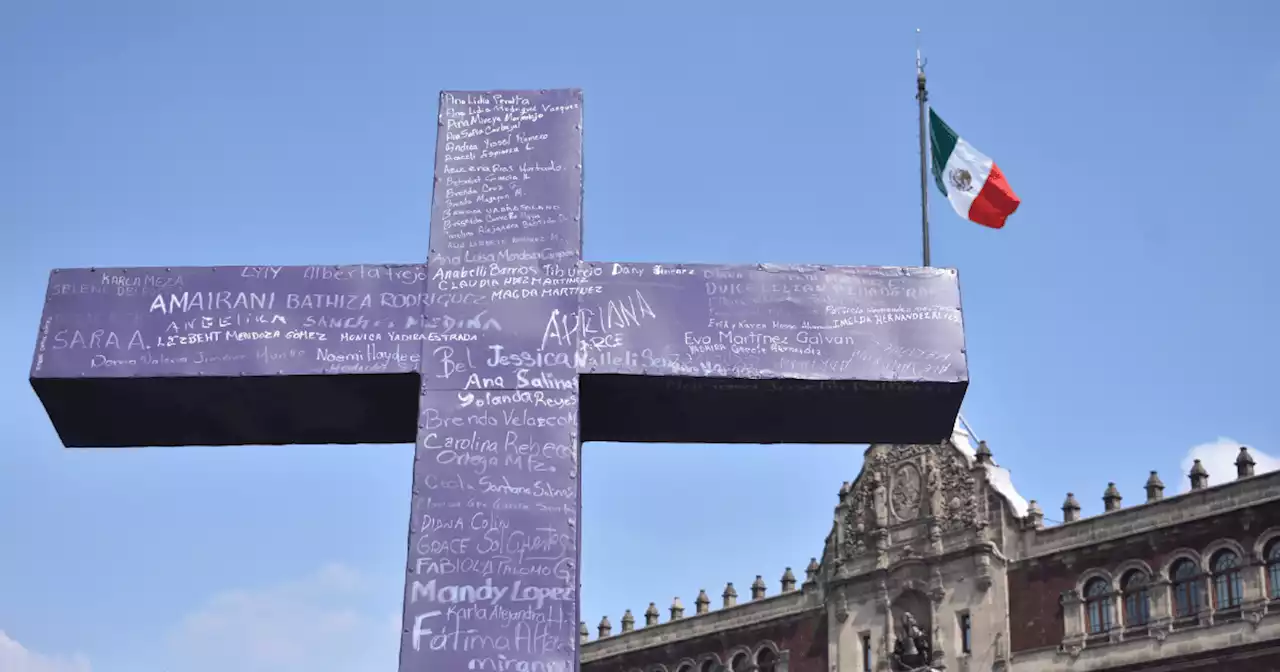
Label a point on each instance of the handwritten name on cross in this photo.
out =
(497, 358)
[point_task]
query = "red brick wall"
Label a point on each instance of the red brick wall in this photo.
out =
(805, 636)
(1263, 657)
(1035, 585)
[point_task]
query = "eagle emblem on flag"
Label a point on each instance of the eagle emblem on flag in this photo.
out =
(961, 180)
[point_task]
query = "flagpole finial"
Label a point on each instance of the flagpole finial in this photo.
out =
(920, 61)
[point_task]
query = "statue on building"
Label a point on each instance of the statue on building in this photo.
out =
(880, 500)
(912, 650)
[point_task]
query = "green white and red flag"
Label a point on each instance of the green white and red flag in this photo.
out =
(969, 179)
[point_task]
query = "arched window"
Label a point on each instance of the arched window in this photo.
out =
(766, 660)
(1226, 579)
(687, 667)
(740, 663)
(708, 665)
(1097, 605)
(1271, 555)
(1185, 578)
(1137, 605)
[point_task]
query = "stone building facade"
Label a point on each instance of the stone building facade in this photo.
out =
(935, 561)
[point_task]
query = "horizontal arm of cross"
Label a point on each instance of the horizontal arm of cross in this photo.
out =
(336, 354)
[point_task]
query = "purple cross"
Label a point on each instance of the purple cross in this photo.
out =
(498, 357)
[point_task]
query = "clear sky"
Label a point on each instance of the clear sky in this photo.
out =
(1127, 313)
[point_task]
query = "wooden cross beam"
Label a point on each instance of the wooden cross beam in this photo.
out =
(497, 358)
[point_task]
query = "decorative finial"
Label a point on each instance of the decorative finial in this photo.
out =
(1244, 463)
(811, 572)
(1035, 516)
(651, 615)
(730, 595)
(1070, 509)
(702, 604)
(1199, 476)
(1111, 498)
(1155, 488)
(677, 609)
(920, 61)
(983, 454)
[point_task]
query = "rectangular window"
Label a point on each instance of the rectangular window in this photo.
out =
(1186, 599)
(1228, 589)
(1137, 609)
(966, 639)
(866, 652)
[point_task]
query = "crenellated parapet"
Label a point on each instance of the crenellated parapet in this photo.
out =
(770, 633)
(679, 625)
(1115, 515)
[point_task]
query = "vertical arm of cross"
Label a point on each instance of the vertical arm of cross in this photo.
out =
(492, 575)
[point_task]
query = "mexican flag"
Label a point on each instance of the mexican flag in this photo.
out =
(971, 181)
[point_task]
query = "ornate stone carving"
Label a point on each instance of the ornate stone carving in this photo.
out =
(984, 578)
(854, 539)
(898, 485)
(882, 597)
(906, 492)
(1254, 617)
(959, 492)
(933, 485)
(879, 498)
(937, 587)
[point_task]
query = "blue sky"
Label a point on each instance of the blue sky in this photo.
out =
(1126, 315)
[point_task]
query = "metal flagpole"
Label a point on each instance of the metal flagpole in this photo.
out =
(922, 96)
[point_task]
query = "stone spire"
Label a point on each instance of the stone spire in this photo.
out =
(758, 588)
(605, 627)
(984, 454)
(1035, 515)
(811, 572)
(1244, 463)
(651, 615)
(677, 609)
(1199, 476)
(1155, 488)
(1070, 509)
(788, 581)
(702, 604)
(628, 622)
(730, 595)
(1111, 498)
(584, 635)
